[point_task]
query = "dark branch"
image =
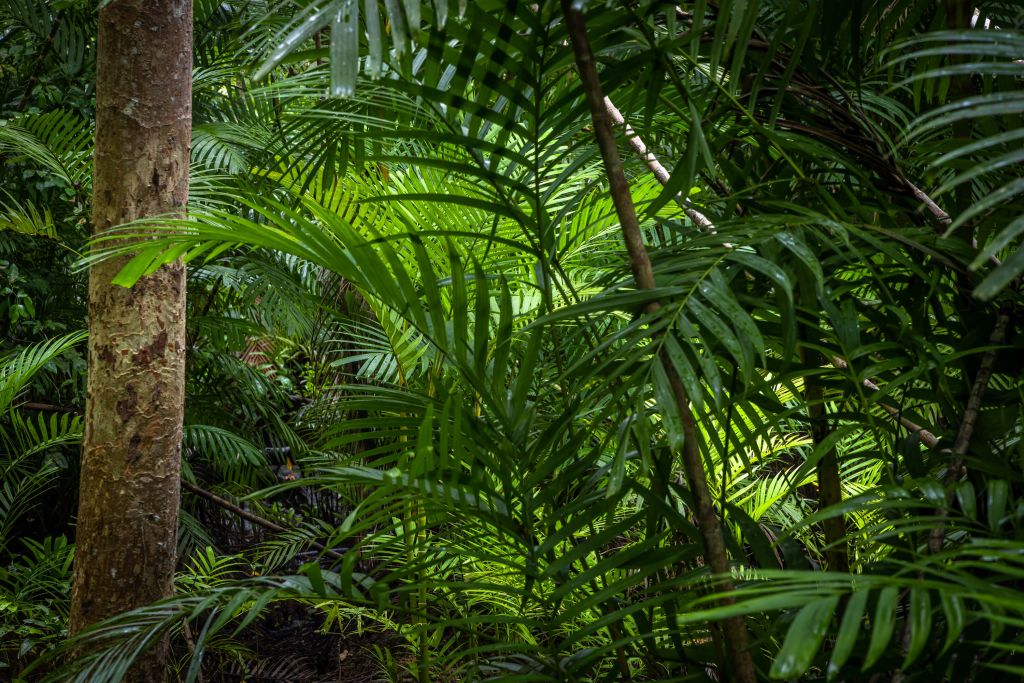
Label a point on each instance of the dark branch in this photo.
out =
(248, 516)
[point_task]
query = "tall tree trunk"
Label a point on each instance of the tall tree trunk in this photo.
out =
(128, 511)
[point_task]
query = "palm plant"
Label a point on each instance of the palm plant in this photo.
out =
(834, 252)
(26, 442)
(33, 584)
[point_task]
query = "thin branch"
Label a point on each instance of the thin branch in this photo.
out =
(659, 171)
(50, 408)
(927, 438)
(735, 632)
(956, 469)
(190, 641)
(255, 519)
(941, 216)
(970, 419)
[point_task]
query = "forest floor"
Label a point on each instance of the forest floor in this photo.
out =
(288, 646)
(288, 643)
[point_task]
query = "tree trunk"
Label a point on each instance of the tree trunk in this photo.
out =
(128, 511)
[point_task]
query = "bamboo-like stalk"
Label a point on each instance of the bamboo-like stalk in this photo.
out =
(830, 488)
(734, 630)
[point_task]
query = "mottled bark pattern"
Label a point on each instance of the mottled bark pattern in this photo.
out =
(128, 512)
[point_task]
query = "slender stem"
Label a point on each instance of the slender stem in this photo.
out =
(735, 632)
(190, 641)
(970, 419)
(830, 490)
(957, 469)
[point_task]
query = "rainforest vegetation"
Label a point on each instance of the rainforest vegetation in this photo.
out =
(490, 340)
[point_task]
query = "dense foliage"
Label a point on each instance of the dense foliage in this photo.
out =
(407, 279)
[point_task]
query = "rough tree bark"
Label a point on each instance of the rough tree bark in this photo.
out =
(128, 511)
